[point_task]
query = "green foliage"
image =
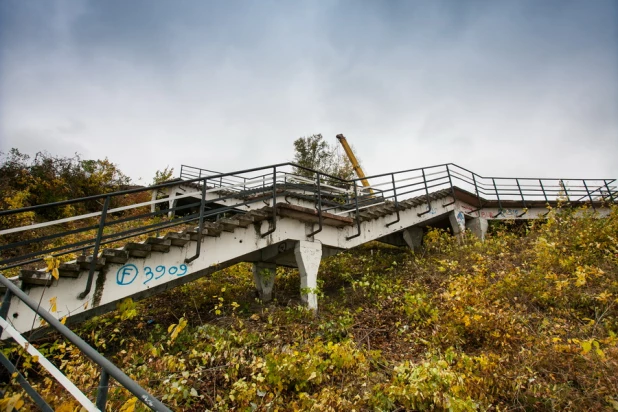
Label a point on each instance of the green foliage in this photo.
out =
(26, 182)
(127, 309)
(313, 152)
(432, 384)
(162, 176)
(47, 179)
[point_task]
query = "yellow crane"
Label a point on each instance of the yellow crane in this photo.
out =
(354, 161)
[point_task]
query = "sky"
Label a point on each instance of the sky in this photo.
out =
(502, 87)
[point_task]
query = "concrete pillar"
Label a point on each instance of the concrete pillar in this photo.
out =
(153, 197)
(172, 203)
(413, 237)
(458, 224)
(264, 278)
(308, 256)
(478, 227)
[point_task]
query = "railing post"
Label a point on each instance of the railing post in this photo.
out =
(476, 190)
(396, 202)
(522, 198)
(274, 203)
(545, 196)
(450, 182)
(102, 390)
(543, 190)
(609, 192)
(589, 196)
(357, 216)
(319, 209)
(566, 192)
(500, 210)
(200, 229)
(95, 253)
(426, 194)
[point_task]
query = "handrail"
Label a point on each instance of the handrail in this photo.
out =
(109, 369)
(273, 179)
(279, 165)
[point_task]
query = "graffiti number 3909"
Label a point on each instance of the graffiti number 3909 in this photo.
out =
(127, 274)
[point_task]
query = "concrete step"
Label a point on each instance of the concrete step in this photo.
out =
(159, 244)
(84, 262)
(120, 256)
(35, 277)
(259, 215)
(244, 220)
(193, 233)
(69, 270)
(138, 249)
(213, 229)
(178, 239)
(228, 224)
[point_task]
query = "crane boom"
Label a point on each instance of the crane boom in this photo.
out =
(354, 161)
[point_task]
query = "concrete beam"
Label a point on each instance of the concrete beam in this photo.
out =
(478, 226)
(413, 237)
(264, 278)
(308, 256)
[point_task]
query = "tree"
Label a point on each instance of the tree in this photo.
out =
(46, 179)
(162, 176)
(313, 152)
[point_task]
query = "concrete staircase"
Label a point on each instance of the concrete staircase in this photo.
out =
(289, 222)
(141, 269)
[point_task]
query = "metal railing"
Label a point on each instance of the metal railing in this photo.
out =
(108, 369)
(132, 213)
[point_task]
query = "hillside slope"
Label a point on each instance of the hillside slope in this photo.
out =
(525, 321)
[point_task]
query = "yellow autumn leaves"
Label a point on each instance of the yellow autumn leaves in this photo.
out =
(175, 328)
(53, 264)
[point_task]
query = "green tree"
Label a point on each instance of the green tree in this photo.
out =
(162, 176)
(46, 179)
(313, 152)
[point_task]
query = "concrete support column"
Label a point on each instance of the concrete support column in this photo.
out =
(264, 278)
(172, 202)
(413, 237)
(153, 197)
(458, 224)
(308, 256)
(478, 227)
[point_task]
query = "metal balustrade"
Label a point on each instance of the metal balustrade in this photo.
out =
(128, 214)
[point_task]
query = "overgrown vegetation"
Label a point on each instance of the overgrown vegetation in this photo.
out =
(46, 179)
(26, 181)
(526, 320)
(313, 152)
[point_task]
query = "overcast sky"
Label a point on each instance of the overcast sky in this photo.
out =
(527, 88)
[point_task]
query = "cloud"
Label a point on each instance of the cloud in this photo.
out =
(503, 88)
